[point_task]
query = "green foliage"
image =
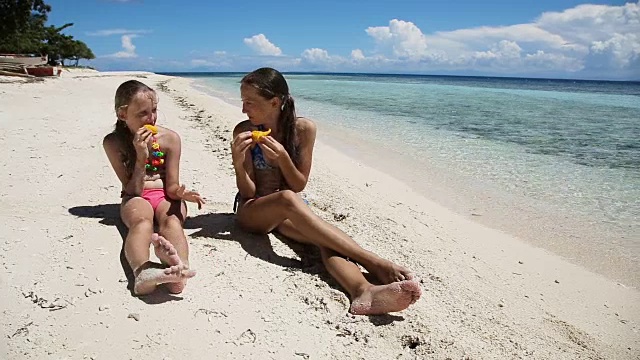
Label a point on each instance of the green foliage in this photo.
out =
(62, 47)
(23, 30)
(21, 24)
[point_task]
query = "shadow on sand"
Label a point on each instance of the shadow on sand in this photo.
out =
(222, 226)
(110, 215)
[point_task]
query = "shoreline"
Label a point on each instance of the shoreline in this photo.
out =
(585, 240)
(486, 294)
(579, 239)
(382, 181)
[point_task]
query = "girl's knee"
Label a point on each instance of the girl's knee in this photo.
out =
(140, 222)
(287, 195)
(171, 222)
(290, 199)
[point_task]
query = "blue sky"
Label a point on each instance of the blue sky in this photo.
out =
(545, 38)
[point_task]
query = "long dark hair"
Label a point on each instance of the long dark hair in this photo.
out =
(270, 83)
(124, 94)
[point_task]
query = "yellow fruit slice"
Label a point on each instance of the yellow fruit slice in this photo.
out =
(153, 129)
(257, 134)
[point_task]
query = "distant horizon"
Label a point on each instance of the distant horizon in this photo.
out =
(401, 74)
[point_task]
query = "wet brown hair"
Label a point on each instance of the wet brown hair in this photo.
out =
(270, 83)
(124, 95)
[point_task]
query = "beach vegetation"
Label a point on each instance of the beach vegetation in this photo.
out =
(24, 30)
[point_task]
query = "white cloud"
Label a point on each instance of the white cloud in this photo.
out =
(404, 39)
(522, 33)
(260, 44)
(109, 32)
(316, 55)
(357, 55)
(501, 53)
(622, 50)
(203, 62)
(584, 38)
(542, 60)
(316, 58)
(127, 35)
(218, 60)
(586, 23)
(128, 49)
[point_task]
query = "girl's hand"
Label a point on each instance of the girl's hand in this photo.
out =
(239, 147)
(141, 143)
(191, 196)
(272, 150)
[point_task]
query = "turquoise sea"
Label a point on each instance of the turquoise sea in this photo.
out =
(566, 147)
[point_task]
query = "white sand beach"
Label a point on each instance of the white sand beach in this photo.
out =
(486, 294)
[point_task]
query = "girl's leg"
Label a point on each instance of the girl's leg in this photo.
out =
(137, 215)
(346, 273)
(171, 216)
(366, 298)
(267, 213)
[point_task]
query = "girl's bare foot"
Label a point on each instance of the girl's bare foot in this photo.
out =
(149, 278)
(382, 299)
(388, 272)
(166, 252)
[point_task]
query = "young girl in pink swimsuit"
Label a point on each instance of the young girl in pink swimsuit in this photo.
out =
(146, 159)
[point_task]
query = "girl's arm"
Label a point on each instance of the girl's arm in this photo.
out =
(172, 146)
(242, 162)
(174, 191)
(296, 176)
(133, 185)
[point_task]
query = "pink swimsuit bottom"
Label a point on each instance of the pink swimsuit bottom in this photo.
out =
(154, 197)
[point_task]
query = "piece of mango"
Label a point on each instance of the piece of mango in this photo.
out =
(153, 129)
(256, 135)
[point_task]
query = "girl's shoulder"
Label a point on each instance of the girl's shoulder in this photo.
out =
(303, 121)
(242, 126)
(110, 137)
(166, 131)
(305, 126)
(111, 141)
(167, 137)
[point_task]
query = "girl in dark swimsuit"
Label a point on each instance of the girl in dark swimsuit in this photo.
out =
(269, 174)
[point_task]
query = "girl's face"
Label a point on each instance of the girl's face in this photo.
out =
(142, 110)
(258, 109)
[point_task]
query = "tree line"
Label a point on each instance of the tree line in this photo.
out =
(23, 30)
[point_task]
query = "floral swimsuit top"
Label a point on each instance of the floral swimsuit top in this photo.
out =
(259, 161)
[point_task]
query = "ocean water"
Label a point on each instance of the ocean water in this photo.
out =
(570, 146)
